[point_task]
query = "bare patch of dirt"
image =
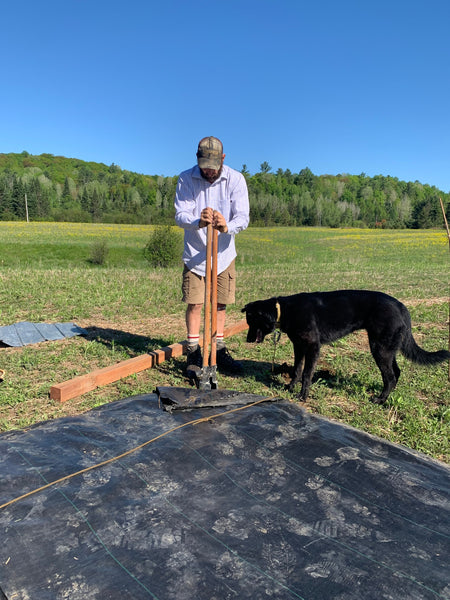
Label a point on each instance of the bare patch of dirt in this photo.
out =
(426, 301)
(164, 326)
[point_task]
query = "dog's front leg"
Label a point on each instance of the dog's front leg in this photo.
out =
(299, 355)
(311, 357)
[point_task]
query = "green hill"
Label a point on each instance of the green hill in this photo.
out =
(56, 168)
(69, 189)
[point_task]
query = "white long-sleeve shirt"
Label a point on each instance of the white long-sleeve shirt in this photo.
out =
(228, 195)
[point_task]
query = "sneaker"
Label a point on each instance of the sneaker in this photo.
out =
(193, 358)
(226, 362)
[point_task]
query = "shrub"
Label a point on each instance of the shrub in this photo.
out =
(99, 252)
(164, 247)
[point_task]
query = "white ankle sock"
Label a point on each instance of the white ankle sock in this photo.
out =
(192, 341)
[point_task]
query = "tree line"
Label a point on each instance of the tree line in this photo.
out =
(55, 188)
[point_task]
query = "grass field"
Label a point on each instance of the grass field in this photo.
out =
(129, 308)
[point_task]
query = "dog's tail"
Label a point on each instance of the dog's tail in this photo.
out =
(414, 352)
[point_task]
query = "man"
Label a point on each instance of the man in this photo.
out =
(210, 193)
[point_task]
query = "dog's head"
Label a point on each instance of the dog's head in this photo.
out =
(261, 319)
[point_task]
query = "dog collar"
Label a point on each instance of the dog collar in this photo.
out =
(278, 307)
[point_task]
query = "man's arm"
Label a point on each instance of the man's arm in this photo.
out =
(240, 207)
(186, 210)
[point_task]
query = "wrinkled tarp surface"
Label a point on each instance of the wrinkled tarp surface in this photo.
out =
(266, 502)
(24, 333)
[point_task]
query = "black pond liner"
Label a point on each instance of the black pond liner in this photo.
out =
(265, 502)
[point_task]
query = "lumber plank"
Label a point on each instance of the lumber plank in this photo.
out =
(86, 383)
(168, 352)
(82, 384)
(236, 328)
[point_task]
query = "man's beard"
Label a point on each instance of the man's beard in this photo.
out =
(211, 178)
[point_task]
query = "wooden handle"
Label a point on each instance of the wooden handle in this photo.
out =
(215, 243)
(207, 305)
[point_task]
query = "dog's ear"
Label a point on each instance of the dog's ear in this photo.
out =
(244, 309)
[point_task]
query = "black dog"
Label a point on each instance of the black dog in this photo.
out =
(313, 319)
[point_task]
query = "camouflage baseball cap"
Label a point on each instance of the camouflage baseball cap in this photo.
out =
(209, 153)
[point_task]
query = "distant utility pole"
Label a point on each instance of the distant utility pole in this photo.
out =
(26, 208)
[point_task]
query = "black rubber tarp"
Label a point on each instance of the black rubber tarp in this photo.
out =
(266, 502)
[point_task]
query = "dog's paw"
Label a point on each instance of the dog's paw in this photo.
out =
(290, 387)
(378, 400)
(301, 396)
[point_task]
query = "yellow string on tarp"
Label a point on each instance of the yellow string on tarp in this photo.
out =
(110, 460)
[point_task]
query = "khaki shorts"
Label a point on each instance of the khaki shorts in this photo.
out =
(193, 286)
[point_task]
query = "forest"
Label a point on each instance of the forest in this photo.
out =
(56, 188)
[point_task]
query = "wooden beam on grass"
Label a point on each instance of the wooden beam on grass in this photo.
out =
(86, 383)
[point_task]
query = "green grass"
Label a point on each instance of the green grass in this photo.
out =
(129, 308)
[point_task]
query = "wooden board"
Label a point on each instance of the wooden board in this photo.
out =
(86, 383)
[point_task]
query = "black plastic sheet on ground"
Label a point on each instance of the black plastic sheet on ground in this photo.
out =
(266, 502)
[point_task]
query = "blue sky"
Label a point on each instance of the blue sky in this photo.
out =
(339, 87)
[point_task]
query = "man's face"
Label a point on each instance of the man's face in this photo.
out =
(212, 175)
